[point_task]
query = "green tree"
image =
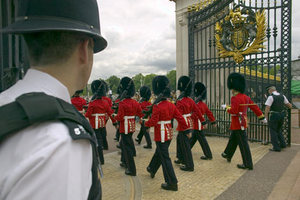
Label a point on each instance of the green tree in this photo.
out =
(113, 83)
(172, 78)
(148, 80)
(138, 81)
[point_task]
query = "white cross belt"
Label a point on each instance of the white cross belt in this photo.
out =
(126, 118)
(96, 118)
(162, 129)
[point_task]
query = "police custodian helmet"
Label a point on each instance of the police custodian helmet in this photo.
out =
(58, 15)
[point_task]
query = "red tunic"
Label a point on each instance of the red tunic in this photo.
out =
(187, 107)
(109, 101)
(162, 114)
(144, 105)
(96, 113)
(128, 109)
(78, 102)
(205, 111)
(237, 109)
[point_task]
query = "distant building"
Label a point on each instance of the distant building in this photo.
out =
(296, 69)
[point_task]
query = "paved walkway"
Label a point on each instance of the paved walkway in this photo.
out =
(275, 175)
(208, 181)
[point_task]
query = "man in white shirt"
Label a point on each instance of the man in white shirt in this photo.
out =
(42, 161)
(275, 106)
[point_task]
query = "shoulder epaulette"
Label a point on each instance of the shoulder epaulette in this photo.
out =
(36, 107)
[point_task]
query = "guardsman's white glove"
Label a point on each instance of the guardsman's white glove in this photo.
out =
(223, 106)
(265, 121)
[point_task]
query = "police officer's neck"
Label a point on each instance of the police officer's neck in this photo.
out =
(74, 71)
(63, 72)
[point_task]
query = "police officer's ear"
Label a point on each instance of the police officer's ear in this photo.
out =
(85, 51)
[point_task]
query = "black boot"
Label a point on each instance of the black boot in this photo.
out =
(151, 173)
(167, 186)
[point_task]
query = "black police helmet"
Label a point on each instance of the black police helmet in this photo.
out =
(58, 15)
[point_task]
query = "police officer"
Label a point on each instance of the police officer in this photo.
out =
(275, 107)
(43, 161)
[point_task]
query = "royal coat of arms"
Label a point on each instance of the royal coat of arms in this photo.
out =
(240, 33)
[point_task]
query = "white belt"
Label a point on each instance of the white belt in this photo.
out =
(185, 116)
(96, 118)
(126, 122)
(199, 124)
(162, 129)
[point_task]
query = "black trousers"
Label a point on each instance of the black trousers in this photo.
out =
(183, 148)
(104, 139)
(239, 137)
(117, 136)
(99, 133)
(161, 157)
(275, 124)
(144, 132)
(128, 152)
(200, 136)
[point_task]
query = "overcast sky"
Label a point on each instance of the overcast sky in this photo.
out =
(141, 37)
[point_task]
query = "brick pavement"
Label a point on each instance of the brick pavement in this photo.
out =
(208, 181)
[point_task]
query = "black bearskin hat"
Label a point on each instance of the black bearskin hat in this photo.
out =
(127, 83)
(160, 84)
(145, 92)
(105, 85)
(98, 88)
(200, 90)
(78, 92)
(237, 82)
(185, 84)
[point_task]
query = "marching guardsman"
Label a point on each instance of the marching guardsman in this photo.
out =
(127, 110)
(114, 107)
(78, 101)
(238, 110)
(186, 107)
(162, 113)
(145, 94)
(275, 105)
(96, 113)
(198, 132)
(109, 101)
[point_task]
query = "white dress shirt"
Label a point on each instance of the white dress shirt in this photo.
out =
(42, 161)
(270, 99)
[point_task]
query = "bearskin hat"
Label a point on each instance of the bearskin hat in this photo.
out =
(98, 88)
(200, 90)
(160, 84)
(127, 84)
(145, 92)
(79, 92)
(185, 84)
(105, 85)
(237, 82)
